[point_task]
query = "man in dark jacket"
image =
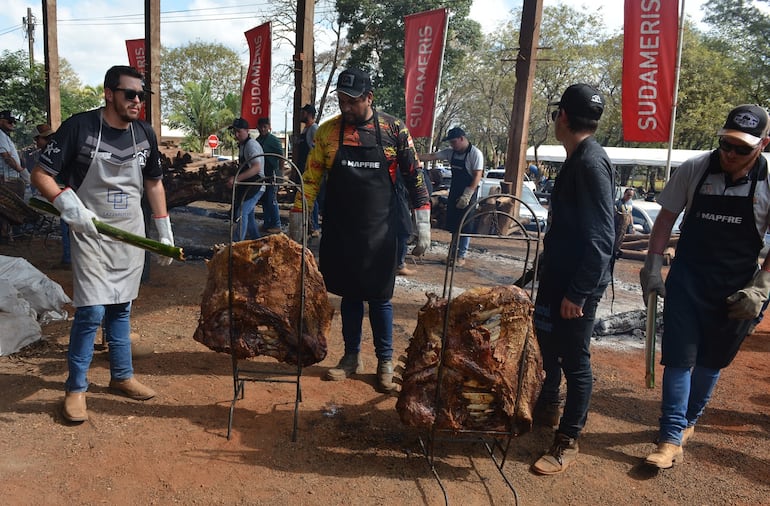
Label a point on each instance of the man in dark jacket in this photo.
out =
(575, 270)
(270, 144)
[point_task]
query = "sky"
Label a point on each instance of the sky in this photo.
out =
(92, 33)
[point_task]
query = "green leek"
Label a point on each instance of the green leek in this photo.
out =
(116, 233)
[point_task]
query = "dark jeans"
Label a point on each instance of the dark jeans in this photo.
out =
(564, 345)
(381, 320)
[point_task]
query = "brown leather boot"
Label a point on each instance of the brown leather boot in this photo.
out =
(562, 454)
(385, 376)
(74, 409)
(348, 365)
(132, 388)
(665, 456)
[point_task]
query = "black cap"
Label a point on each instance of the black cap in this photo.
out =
(353, 83)
(454, 133)
(7, 116)
(263, 121)
(240, 123)
(310, 109)
(582, 100)
(748, 123)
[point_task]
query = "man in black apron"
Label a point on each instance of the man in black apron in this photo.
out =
(713, 290)
(369, 158)
(574, 272)
(467, 163)
(108, 160)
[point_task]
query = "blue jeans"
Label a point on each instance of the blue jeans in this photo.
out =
(462, 247)
(247, 227)
(270, 211)
(402, 240)
(381, 320)
(685, 395)
(117, 325)
(319, 202)
(565, 347)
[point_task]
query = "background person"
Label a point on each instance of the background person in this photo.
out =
(574, 272)
(467, 164)
(14, 176)
(305, 143)
(108, 185)
(273, 167)
(624, 219)
(713, 291)
(251, 161)
(366, 154)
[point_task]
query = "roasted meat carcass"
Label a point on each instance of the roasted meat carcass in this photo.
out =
(266, 302)
(492, 370)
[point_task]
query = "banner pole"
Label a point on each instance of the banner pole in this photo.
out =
(676, 92)
(438, 85)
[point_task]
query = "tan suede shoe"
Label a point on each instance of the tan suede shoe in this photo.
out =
(74, 409)
(665, 456)
(132, 388)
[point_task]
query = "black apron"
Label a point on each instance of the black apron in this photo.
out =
(460, 181)
(715, 257)
(358, 243)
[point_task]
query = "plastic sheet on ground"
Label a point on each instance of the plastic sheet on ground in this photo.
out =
(28, 298)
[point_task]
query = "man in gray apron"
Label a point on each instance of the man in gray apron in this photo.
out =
(370, 161)
(107, 160)
(467, 163)
(713, 290)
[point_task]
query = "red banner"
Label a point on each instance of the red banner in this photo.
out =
(136, 59)
(255, 101)
(423, 55)
(649, 68)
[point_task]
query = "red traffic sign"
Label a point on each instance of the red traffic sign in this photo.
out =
(213, 141)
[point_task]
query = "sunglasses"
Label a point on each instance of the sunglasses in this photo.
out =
(739, 149)
(554, 115)
(132, 94)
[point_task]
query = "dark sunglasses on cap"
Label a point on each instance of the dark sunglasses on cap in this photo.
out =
(554, 115)
(740, 149)
(132, 94)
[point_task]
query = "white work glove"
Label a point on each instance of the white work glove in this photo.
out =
(650, 276)
(422, 217)
(74, 213)
(745, 304)
(166, 236)
(465, 198)
(24, 175)
(295, 225)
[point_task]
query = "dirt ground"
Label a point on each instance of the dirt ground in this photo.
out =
(351, 447)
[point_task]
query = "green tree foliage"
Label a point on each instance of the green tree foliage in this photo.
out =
(376, 35)
(197, 62)
(75, 97)
(742, 30)
(22, 90)
(202, 114)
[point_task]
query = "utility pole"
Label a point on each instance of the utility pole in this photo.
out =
(303, 64)
(152, 63)
(30, 22)
(51, 56)
(518, 131)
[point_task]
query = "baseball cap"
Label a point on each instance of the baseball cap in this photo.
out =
(309, 108)
(44, 130)
(454, 133)
(353, 82)
(582, 100)
(240, 123)
(747, 123)
(7, 116)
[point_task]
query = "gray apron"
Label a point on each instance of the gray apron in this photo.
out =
(107, 271)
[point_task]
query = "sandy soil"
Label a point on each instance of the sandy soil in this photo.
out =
(351, 447)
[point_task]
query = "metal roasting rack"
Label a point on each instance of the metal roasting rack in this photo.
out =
(243, 374)
(495, 443)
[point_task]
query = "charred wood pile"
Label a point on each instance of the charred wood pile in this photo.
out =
(188, 180)
(635, 247)
(266, 302)
(492, 371)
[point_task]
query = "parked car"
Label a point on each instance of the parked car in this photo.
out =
(528, 197)
(644, 214)
(492, 179)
